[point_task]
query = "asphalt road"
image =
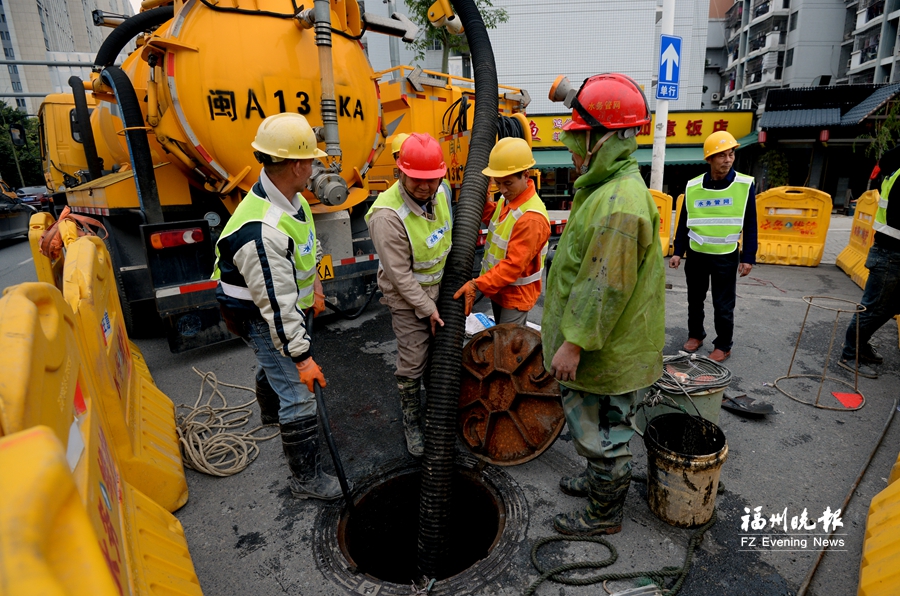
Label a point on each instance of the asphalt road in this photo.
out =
(247, 535)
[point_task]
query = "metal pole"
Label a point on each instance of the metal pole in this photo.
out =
(393, 42)
(667, 27)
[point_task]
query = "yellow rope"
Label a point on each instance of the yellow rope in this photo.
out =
(208, 443)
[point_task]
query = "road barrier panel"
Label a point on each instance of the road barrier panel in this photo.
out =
(852, 260)
(141, 417)
(879, 569)
(48, 271)
(793, 223)
(142, 543)
(47, 542)
(664, 206)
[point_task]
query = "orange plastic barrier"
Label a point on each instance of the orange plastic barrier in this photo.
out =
(47, 542)
(852, 259)
(664, 206)
(47, 271)
(793, 223)
(143, 544)
(141, 417)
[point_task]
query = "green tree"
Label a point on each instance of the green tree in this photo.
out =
(885, 135)
(429, 34)
(29, 155)
(775, 168)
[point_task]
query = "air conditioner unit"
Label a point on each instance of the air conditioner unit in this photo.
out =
(715, 96)
(746, 104)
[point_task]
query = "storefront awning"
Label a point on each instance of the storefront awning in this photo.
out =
(675, 156)
(552, 158)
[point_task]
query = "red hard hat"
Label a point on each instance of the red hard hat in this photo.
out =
(609, 101)
(421, 157)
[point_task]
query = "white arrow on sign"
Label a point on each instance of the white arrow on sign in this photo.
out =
(670, 57)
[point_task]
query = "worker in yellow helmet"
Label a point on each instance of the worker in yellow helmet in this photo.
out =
(266, 268)
(517, 237)
(718, 206)
(397, 143)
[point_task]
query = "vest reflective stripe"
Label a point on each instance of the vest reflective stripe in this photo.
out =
(254, 208)
(499, 232)
(429, 239)
(880, 223)
(716, 217)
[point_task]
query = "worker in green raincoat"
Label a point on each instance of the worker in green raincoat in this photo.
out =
(603, 325)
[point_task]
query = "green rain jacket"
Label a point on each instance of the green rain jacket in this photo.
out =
(606, 288)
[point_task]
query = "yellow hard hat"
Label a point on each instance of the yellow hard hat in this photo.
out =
(718, 142)
(509, 155)
(287, 136)
(398, 141)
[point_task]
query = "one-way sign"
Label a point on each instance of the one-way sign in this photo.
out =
(669, 61)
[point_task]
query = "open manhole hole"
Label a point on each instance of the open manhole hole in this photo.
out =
(374, 550)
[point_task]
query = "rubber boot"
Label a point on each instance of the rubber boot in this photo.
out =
(409, 405)
(604, 512)
(577, 486)
(300, 440)
(267, 400)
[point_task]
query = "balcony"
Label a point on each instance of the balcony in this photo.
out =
(733, 16)
(760, 8)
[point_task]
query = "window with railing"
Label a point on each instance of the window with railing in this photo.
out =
(761, 8)
(867, 46)
(757, 43)
(876, 10)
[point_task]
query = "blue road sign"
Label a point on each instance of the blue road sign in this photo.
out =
(669, 67)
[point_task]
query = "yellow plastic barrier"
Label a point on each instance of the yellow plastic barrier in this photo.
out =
(792, 223)
(141, 417)
(895, 472)
(38, 328)
(47, 271)
(47, 543)
(664, 206)
(852, 259)
(879, 569)
(142, 543)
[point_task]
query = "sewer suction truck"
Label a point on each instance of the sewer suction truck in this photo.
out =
(159, 148)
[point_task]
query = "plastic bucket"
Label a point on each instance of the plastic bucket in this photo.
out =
(684, 458)
(706, 403)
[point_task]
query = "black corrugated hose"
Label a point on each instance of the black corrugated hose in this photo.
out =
(136, 137)
(128, 30)
(443, 388)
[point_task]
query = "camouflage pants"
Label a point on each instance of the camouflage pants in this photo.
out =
(601, 427)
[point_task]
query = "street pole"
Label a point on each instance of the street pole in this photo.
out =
(662, 108)
(393, 42)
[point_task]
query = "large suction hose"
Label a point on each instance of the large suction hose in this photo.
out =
(128, 30)
(136, 137)
(83, 117)
(443, 389)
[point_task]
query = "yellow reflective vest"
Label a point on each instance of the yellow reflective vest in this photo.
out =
(880, 223)
(430, 239)
(716, 217)
(500, 231)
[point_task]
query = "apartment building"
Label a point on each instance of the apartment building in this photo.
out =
(44, 31)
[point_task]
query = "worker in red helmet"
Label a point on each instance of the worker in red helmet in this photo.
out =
(410, 226)
(603, 326)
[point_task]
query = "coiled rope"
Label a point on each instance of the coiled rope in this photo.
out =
(658, 576)
(208, 443)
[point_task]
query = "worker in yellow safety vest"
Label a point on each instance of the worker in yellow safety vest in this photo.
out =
(517, 237)
(266, 268)
(881, 297)
(718, 206)
(410, 226)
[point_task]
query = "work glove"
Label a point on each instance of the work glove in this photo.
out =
(319, 295)
(309, 373)
(470, 288)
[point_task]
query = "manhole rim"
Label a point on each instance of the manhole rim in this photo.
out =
(334, 564)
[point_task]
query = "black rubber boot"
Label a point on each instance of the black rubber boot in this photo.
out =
(300, 440)
(268, 400)
(410, 406)
(605, 510)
